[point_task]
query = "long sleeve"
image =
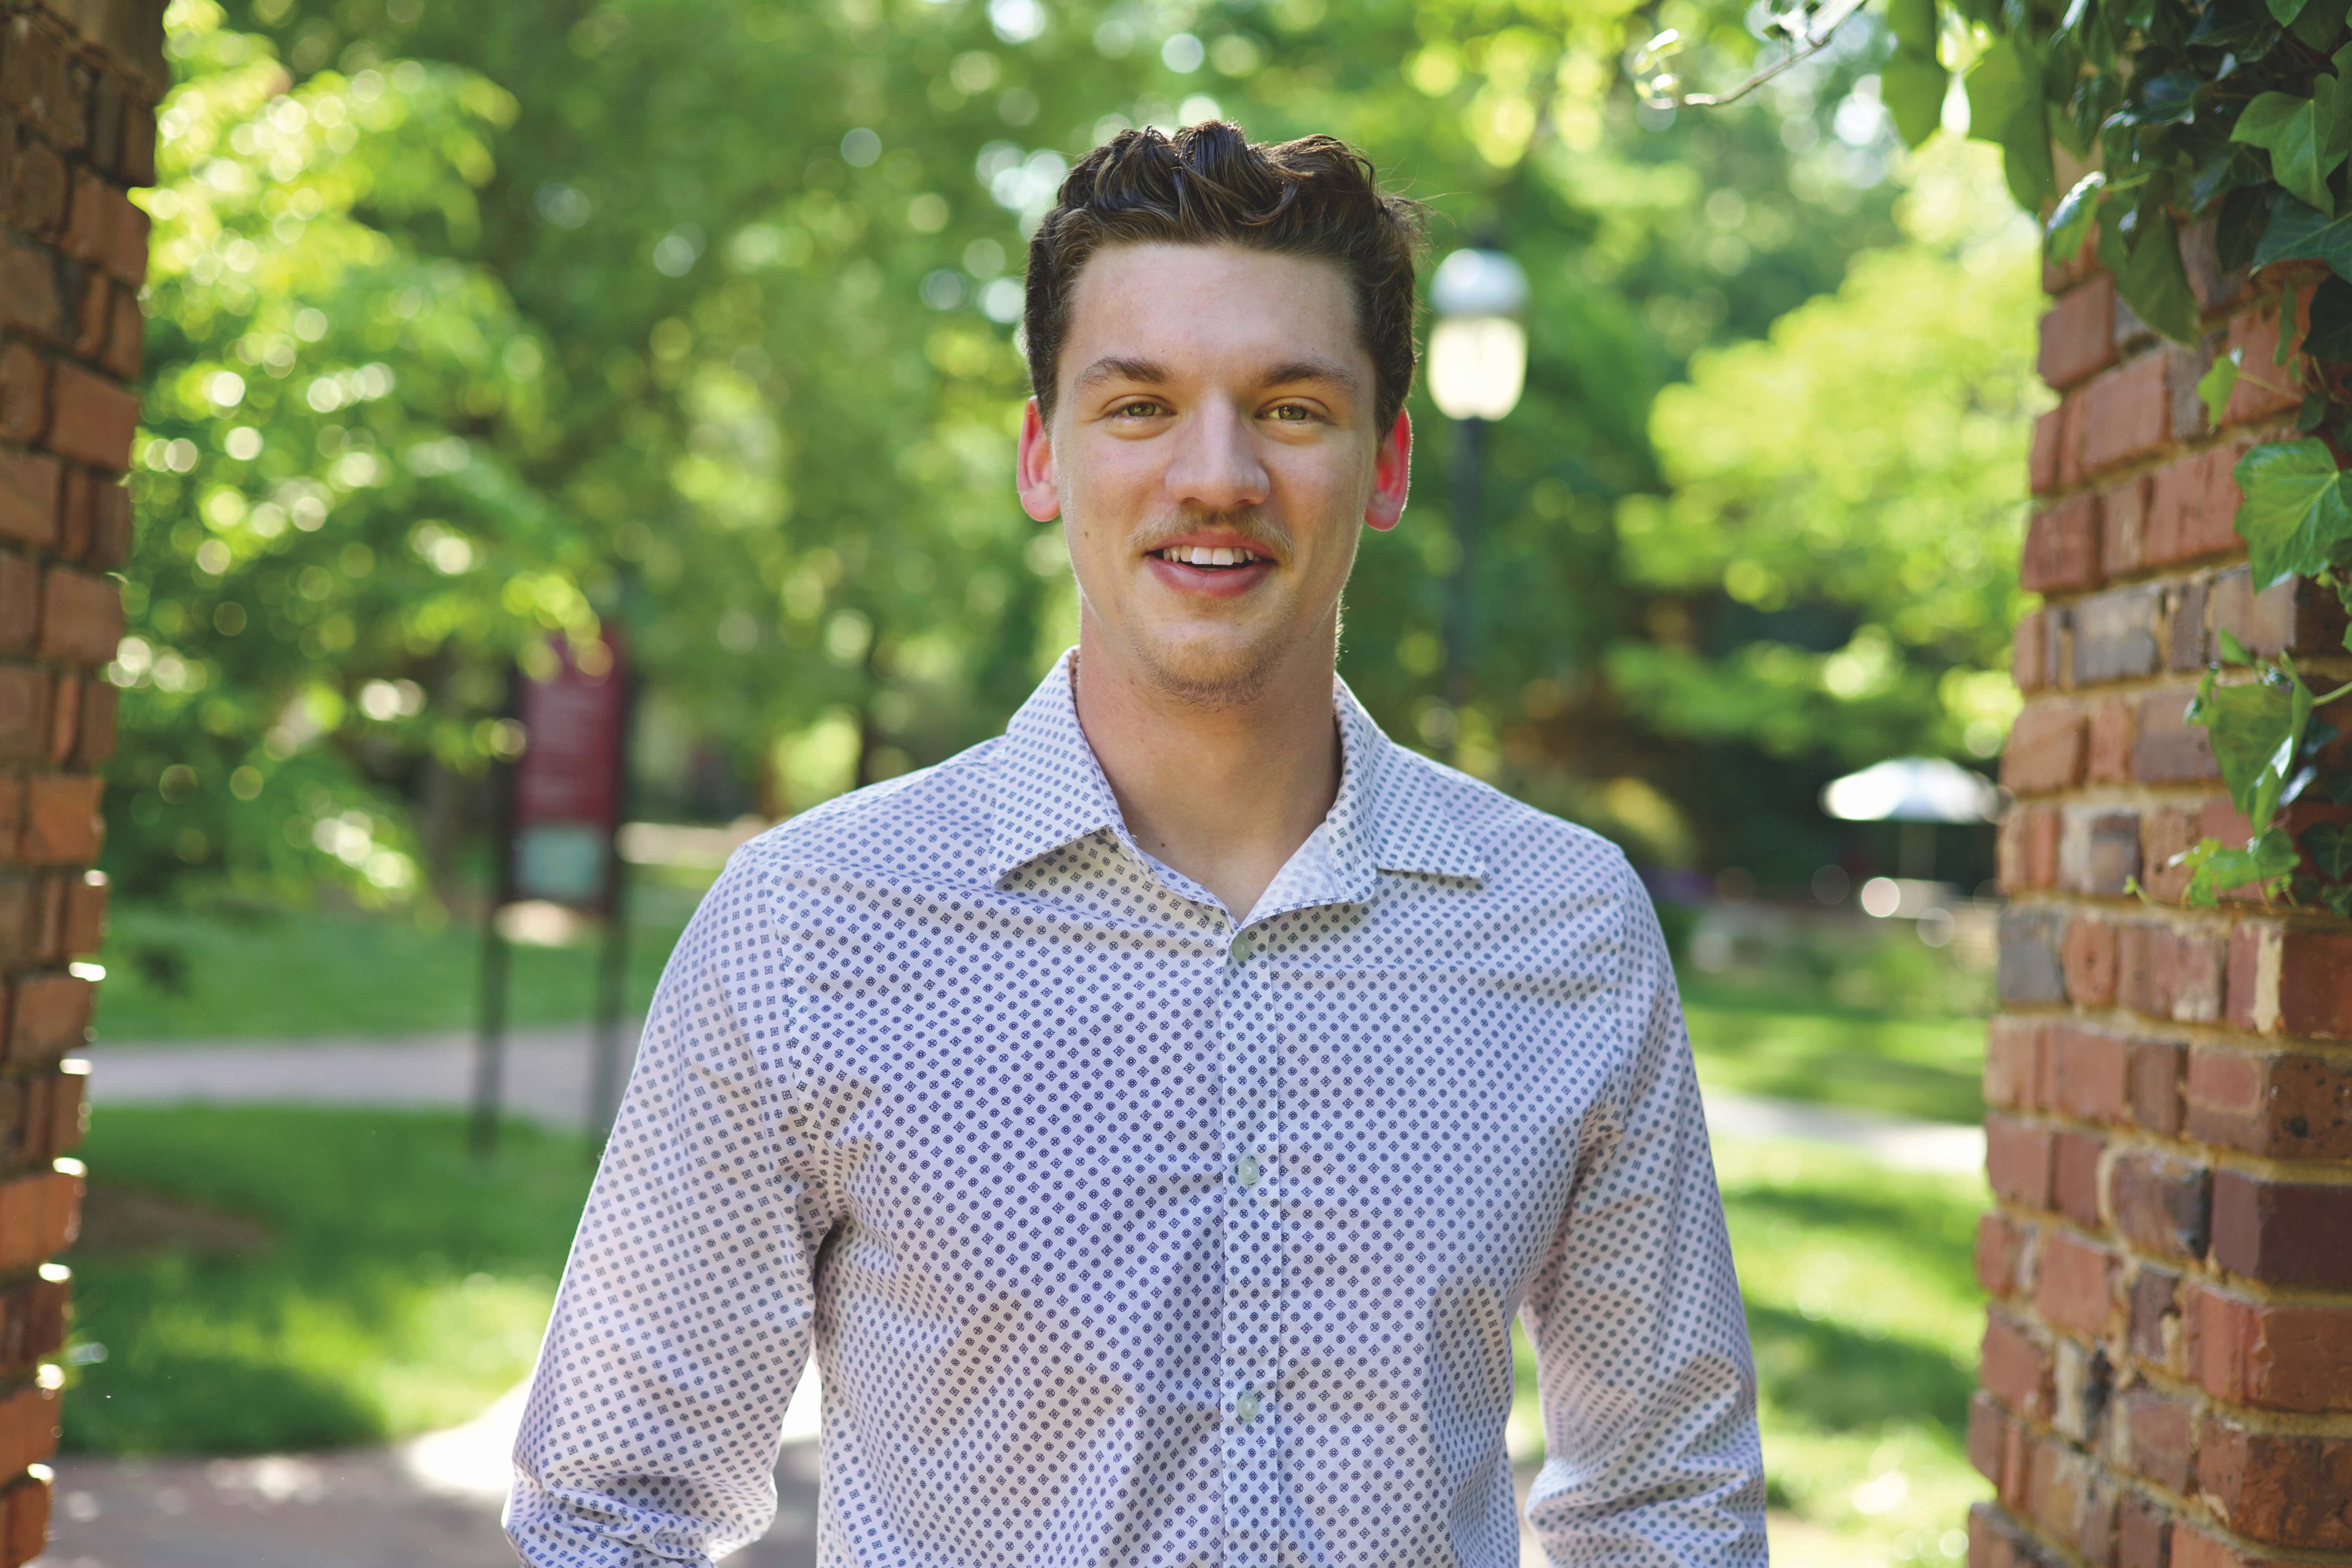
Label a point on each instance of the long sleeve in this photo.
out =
(654, 1418)
(1641, 1354)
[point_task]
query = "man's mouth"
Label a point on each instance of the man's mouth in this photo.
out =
(1208, 555)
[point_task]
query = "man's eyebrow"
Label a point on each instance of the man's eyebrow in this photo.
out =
(1297, 370)
(1118, 367)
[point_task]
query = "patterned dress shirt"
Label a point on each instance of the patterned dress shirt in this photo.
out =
(1128, 1234)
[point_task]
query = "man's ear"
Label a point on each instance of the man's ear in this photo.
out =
(1391, 476)
(1034, 474)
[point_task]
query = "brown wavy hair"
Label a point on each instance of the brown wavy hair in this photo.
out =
(1209, 185)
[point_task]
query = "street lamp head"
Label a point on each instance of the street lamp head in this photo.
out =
(1477, 352)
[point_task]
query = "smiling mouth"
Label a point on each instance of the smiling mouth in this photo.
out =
(1212, 557)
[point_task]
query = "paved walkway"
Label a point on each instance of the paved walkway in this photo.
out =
(435, 1500)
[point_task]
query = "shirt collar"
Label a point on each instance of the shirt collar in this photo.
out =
(1389, 815)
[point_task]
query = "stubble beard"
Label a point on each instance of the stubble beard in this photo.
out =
(1224, 674)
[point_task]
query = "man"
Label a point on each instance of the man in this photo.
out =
(1152, 1118)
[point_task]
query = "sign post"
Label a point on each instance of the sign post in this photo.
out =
(558, 815)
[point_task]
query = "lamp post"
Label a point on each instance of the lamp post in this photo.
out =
(1477, 366)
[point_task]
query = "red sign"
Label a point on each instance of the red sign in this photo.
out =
(568, 785)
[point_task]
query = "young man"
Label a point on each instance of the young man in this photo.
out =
(1153, 1119)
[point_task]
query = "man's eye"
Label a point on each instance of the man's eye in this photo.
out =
(1141, 409)
(1294, 412)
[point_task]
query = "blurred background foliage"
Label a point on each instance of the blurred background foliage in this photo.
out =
(471, 325)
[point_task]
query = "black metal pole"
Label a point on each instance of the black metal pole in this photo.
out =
(490, 1044)
(604, 1092)
(1461, 607)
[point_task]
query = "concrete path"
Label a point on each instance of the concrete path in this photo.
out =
(547, 1078)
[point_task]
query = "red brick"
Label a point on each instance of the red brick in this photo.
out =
(2028, 966)
(2251, 988)
(38, 190)
(30, 298)
(65, 714)
(2142, 1528)
(2283, 1489)
(2029, 654)
(2001, 1245)
(2295, 617)
(1987, 1436)
(25, 1517)
(2018, 1159)
(2016, 1371)
(2074, 1177)
(2062, 547)
(2107, 745)
(24, 712)
(94, 730)
(2146, 960)
(91, 419)
(28, 1428)
(93, 316)
(48, 1015)
(2165, 832)
(2090, 960)
(73, 513)
(81, 616)
(2078, 333)
(138, 142)
(69, 1121)
(61, 819)
(2075, 1287)
(109, 526)
(2286, 1105)
(2160, 1204)
(2168, 749)
(29, 488)
(2012, 1071)
(2157, 1436)
(2194, 1548)
(2152, 1330)
(2185, 642)
(2084, 1073)
(2192, 505)
(85, 919)
(2264, 387)
(24, 393)
(2052, 463)
(2215, 286)
(2315, 983)
(2197, 985)
(2283, 1233)
(2116, 635)
(2056, 1487)
(2045, 749)
(2127, 413)
(2122, 528)
(126, 337)
(2281, 1355)
(40, 1216)
(20, 601)
(2155, 1074)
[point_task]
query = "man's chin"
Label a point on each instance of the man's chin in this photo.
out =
(1221, 672)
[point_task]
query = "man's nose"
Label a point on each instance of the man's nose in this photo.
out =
(1216, 465)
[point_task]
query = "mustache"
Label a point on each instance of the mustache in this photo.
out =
(1253, 526)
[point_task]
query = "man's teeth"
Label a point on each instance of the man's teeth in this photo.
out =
(1205, 555)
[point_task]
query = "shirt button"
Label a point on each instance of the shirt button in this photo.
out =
(1245, 1408)
(1241, 948)
(1247, 1170)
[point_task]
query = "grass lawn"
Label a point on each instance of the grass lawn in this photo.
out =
(356, 1275)
(1928, 1068)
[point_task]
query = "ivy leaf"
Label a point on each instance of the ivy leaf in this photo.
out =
(2150, 278)
(2070, 224)
(2213, 388)
(2006, 106)
(2169, 100)
(2299, 233)
(2285, 11)
(2330, 336)
(2247, 724)
(1911, 86)
(2214, 870)
(2296, 513)
(2290, 130)
(2330, 849)
(1913, 23)
(2232, 650)
(2339, 900)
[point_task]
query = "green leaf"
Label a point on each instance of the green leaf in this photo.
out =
(2299, 233)
(2296, 513)
(1913, 23)
(2330, 849)
(2214, 387)
(2246, 723)
(2289, 128)
(2286, 11)
(2232, 650)
(2215, 870)
(2006, 106)
(2330, 334)
(1912, 86)
(2070, 223)
(2151, 280)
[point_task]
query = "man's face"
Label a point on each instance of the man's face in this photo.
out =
(1211, 453)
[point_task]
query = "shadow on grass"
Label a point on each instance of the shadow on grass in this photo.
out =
(1925, 1235)
(1842, 1380)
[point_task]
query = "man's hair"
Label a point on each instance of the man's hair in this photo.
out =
(1209, 184)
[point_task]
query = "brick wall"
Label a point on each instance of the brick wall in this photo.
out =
(2167, 1375)
(78, 81)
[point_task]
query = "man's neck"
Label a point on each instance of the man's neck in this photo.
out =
(1223, 794)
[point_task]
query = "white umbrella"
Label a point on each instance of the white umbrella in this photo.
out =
(1912, 789)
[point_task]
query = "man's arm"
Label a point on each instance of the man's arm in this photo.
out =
(1648, 1389)
(651, 1431)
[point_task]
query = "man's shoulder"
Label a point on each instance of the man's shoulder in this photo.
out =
(1513, 836)
(918, 826)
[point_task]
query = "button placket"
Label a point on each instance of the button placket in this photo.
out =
(1251, 1369)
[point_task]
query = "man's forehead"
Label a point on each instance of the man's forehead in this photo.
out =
(1178, 306)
